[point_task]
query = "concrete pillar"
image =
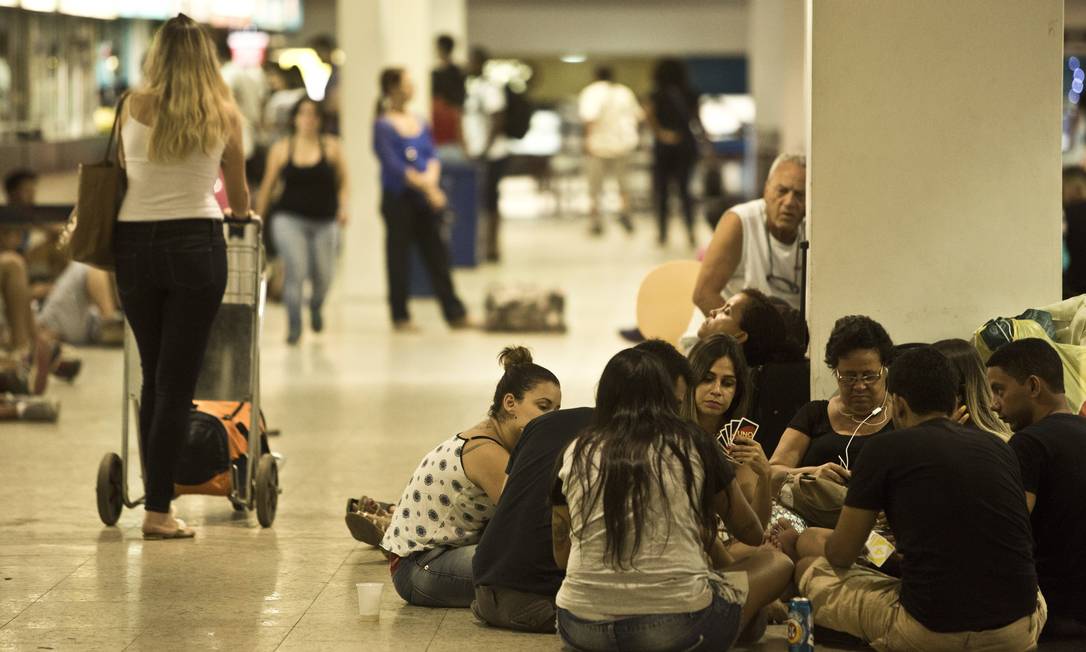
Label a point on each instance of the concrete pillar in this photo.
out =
(374, 34)
(934, 171)
(776, 58)
(407, 41)
(359, 36)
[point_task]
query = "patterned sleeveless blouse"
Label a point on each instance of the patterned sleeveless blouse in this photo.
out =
(440, 506)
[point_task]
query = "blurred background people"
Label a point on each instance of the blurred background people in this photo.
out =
(411, 201)
(324, 45)
(672, 111)
(485, 140)
(448, 91)
(611, 115)
(310, 168)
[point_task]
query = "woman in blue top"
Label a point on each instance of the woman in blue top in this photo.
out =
(411, 200)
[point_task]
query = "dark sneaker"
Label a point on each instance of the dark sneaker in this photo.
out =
(626, 222)
(68, 369)
(316, 322)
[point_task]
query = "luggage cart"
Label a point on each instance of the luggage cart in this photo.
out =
(231, 372)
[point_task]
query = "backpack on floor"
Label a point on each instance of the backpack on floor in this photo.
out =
(525, 309)
(216, 442)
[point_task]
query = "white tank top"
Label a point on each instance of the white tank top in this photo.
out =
(759, 249)
(166, 191)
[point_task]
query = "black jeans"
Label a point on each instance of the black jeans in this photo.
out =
(672, 163)
(409, 220)
(493, 174)
(171, 276)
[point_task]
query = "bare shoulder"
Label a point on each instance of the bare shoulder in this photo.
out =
(332, 145)
(141, 105)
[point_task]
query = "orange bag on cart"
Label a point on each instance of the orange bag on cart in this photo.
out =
(1063, 325)
(217, 440)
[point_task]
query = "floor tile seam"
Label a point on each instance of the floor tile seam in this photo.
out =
(315, 598)
(437, 629)
(38, 599)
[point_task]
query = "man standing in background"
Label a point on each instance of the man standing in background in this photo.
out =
(448, 92)
(485, 139)
(611, 116)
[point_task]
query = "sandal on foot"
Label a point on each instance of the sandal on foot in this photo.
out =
(180, 531)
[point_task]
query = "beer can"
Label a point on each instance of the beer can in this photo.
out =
(800, 626)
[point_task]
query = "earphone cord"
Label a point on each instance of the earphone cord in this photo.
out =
(845, 460)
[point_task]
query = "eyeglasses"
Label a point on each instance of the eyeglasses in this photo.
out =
(855, 379)
(780, 283)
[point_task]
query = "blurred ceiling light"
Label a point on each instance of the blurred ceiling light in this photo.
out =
(574, 58)
(315, 73)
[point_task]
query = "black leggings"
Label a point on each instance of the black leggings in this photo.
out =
(409, 220)
(672, 163)
(171, 276)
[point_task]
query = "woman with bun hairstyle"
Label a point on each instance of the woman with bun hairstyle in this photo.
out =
(453, 492)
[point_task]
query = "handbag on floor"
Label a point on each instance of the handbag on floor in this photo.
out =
(89, 234)
(525, 309)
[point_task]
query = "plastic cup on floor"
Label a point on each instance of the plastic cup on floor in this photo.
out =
(369, 600)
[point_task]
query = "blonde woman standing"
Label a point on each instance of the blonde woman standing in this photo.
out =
(176, 132)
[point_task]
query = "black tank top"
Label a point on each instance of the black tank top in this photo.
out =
(309, 191)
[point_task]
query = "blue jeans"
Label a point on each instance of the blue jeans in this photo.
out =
(436, 578)
(171, 276)
(713, 628)
(308, 249)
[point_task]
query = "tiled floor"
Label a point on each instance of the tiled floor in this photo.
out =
(357, 407)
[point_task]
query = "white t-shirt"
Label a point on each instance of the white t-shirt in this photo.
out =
(760, 248)
(484, 99)
(670, 572)
(614, 113)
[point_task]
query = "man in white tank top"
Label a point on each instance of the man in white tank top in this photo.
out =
(756, 244)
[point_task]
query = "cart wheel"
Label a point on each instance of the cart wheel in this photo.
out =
(110, 488)
(266, 491)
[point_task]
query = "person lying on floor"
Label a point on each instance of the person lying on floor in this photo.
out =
(826, 437)
(635, 508)
(757, 324)
(954, 499)
(516, 578)
(453, 492)
(1050, 443)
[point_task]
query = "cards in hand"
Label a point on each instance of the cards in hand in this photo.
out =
(736, 428)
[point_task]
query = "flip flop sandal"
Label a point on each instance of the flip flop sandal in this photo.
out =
(180, 532)
(355, 505)
(364, 530)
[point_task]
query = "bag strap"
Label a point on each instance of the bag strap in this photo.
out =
(113, 130)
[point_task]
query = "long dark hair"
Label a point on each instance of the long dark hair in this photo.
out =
(521, 376)
(634, 434)
(319, 106)
(702, 358)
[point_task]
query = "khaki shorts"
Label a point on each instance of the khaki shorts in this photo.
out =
(867, 604)
(598, 169)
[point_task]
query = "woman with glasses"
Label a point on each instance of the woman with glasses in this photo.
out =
(826, 437)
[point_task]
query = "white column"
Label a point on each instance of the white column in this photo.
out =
(934, 170)
(776, 54)
(359, 36)
(407, 41)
